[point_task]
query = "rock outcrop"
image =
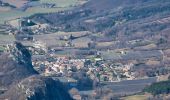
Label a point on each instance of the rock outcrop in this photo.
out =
(22, 82)
(15, 65)
(37, 88)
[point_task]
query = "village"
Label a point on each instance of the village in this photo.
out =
(64, 54)
(49, 62)
(97, 69)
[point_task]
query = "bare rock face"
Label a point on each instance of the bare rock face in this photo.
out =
(37, 88)
(15, 66)
(20, 54)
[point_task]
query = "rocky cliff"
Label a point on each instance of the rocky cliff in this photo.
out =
(22, 82)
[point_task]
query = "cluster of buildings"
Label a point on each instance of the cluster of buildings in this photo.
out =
(95, 69)
(111, 72)
(59, 66)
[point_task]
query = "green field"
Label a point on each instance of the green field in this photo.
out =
(2, 48)
(61, 5)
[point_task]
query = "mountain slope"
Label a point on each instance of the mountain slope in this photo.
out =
(112, 17)
(10, 71)
(37, 88)
(15, 66)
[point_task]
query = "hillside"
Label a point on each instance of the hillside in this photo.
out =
(10, 71)
(97, 5)
(116, 18)
(15, 66)
(37, 88)
(159, 88)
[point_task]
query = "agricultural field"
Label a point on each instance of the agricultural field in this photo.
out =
(4, 9)
(54, 39)
(129, 87)
(12, 13)
(16, 3)
(6, 39)
(2, 48)
(110, 55)
(136, 97)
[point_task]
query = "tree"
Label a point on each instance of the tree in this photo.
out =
(91, 45)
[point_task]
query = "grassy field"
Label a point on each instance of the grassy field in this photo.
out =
(2, 48)
(54, 39)
(110, 54)
(61, 5)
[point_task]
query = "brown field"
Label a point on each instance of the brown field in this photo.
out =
(104, 44)
(53, 39)
(147, 47)
(136, 97)
(152, 62)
